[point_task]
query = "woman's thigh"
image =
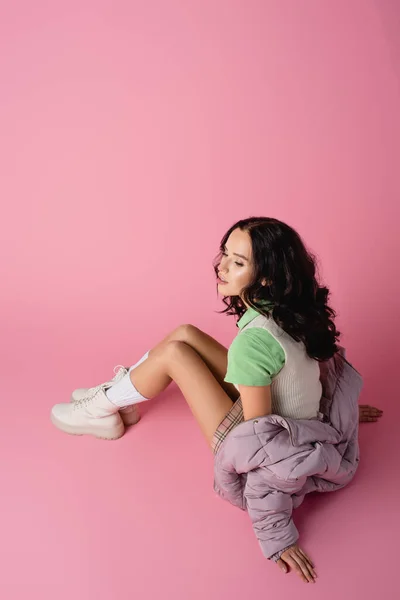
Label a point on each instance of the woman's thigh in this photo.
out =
(205, 396)
(214, 354)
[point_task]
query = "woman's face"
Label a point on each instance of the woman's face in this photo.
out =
(236, 266)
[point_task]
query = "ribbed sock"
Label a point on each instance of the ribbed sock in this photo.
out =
(139, 361)
(123, 393)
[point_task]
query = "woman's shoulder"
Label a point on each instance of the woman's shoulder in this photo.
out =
(259, 343)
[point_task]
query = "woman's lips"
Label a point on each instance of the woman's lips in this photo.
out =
(221, 282)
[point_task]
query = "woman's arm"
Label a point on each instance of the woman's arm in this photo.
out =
(256, 400)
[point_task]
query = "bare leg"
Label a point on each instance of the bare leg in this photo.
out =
(178, 361)
(214, 354)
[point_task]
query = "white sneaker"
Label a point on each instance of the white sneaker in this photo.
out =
(130, 414)
(92, 415)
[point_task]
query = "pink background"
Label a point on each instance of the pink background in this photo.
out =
(133, 134)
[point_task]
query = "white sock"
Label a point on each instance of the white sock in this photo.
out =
(139, 361)
(123, 393)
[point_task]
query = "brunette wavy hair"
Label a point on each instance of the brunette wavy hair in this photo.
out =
(299, 304)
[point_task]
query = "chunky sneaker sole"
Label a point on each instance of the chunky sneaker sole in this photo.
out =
(130, 414)
(111, 433)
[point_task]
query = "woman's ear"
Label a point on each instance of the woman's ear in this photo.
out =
(265, 282)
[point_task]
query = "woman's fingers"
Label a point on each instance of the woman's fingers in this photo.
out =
(296, 567)
(282, 565)
(306, 557)
(300, 562)
(305, 567)
(375, 411)
(369, 413)
(370, 409)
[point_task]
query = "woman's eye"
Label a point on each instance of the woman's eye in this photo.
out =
(236, 263)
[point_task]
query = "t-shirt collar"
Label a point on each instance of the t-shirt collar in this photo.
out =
(250, 314)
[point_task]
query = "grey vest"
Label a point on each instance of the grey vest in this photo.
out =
(296, 390)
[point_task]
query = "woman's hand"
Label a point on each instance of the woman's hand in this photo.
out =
(368, 413)
(299, 561)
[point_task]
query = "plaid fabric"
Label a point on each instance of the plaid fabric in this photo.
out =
(231, 419)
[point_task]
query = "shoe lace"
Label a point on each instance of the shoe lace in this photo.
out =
(119, 367)
(86, 400)
(91, 393)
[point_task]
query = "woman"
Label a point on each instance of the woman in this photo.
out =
(263, 268)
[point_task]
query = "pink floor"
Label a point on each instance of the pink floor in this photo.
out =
(133, 134)
(85, 518)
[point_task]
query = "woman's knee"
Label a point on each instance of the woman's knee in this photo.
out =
(173, 350)
(184, 333)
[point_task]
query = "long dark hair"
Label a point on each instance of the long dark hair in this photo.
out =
(299, 303)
